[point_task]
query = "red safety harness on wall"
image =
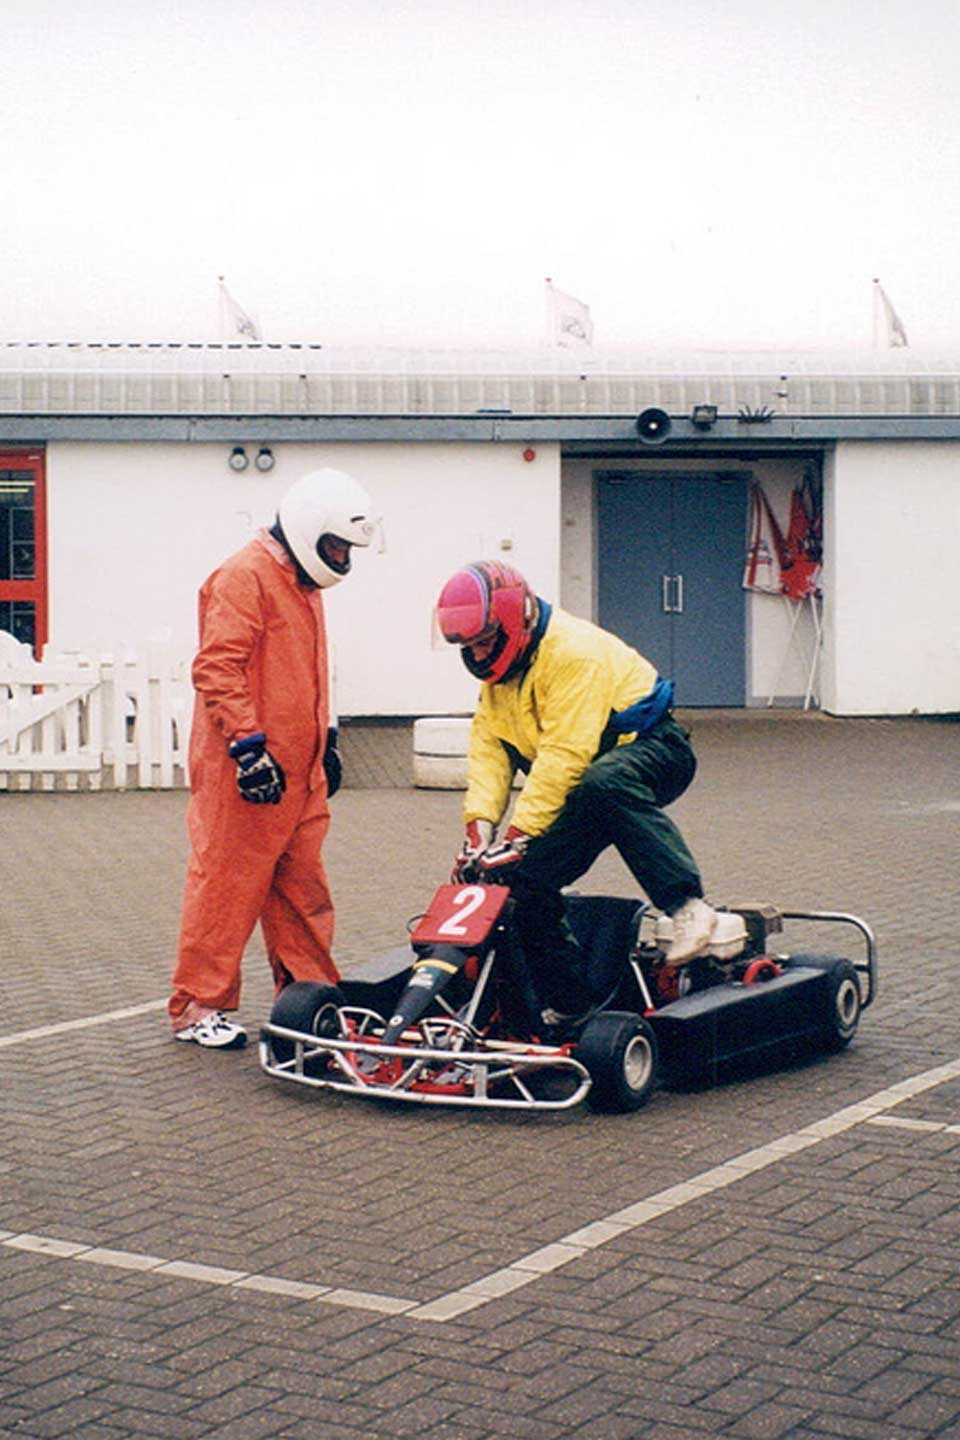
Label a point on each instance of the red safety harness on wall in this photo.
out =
(779, 564)
(801, 576)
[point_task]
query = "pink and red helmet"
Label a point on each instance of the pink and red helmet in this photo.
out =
(483, 602)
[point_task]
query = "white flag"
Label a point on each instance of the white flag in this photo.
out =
(238, 321)
(896, 334)
(568, 320)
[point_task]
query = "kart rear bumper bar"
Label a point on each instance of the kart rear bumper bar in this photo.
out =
(868, 966)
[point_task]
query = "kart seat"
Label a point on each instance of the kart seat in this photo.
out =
(605, 927)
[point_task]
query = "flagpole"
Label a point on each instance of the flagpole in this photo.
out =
(876, 317)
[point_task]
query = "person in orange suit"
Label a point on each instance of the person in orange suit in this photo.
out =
(263, 759)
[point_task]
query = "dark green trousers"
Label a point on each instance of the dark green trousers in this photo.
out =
(619, 801)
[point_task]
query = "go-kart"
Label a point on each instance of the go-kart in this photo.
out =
(452, 1017)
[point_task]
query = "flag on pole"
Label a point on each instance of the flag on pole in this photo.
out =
(237, 319)
(896, 334)
(568, 320)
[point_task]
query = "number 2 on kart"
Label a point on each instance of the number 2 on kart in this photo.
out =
(460, 915)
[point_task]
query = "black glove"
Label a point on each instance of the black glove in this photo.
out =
(332, 764)
(260, 778)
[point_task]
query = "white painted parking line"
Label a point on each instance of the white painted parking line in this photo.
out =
(547, 1258)
(46, 1245)
(273, 1285)
(570, 1247)
(208, 1274)
(63, 1027)
(931, 1127)
(122, 1259)
(366, 1300)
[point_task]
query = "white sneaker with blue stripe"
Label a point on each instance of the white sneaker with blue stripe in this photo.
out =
(214, 1032)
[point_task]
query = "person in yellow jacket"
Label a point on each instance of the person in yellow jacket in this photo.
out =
(588, 719)
(263, 759)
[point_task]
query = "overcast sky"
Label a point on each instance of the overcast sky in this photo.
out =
(719, 173)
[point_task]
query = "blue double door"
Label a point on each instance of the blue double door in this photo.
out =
(670, 573)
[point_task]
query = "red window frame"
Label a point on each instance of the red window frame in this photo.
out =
(34, 590)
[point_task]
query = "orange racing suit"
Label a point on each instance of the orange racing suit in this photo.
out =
(261, 667)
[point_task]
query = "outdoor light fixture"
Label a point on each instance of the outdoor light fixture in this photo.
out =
(264, 460)
(703, 416)
(238, 459)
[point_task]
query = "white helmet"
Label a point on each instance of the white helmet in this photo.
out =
(320, 510)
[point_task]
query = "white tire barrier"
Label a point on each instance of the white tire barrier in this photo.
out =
(440, 746)
(440, 752)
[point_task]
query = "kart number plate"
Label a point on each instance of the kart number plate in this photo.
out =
(460, 915)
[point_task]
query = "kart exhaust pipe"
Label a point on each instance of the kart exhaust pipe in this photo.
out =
(431, 974)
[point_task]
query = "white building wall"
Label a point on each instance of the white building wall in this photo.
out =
(134, 528)
(892, 644)
(779, 652)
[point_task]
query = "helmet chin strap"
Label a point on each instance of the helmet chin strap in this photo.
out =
(276, 530)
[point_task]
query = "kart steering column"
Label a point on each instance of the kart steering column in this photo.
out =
(431, 974)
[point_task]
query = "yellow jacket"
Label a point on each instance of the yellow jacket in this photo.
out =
(553, 715)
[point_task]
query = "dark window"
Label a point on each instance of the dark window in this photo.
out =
(19, 618)
(17, 552)
(23, 548)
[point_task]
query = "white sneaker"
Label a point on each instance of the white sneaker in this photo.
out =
(692, 929)
(214, 1032)
(559, 1027)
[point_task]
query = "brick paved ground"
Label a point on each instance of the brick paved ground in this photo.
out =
(817, 1296)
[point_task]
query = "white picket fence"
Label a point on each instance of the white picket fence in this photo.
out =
(72, 722)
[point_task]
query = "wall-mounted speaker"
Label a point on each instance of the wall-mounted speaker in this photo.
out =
(653, 426)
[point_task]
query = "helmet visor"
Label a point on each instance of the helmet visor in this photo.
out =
(463, 610)
(483, 637)
(334, 552)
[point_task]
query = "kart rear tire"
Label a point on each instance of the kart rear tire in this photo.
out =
(845, 1006)
(619, 1051)
(844, 1001)
(308, 1006)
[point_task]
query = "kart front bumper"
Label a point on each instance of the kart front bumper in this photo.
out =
(500, 1075)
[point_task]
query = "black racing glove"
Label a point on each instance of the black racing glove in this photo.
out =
(260, 778)
(332, 764)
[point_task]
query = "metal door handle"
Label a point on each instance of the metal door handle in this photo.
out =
(672, 602)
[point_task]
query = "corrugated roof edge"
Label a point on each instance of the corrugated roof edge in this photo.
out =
(398, 360)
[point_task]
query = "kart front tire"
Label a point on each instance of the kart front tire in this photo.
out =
(619, 1051)
(308, 1006)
